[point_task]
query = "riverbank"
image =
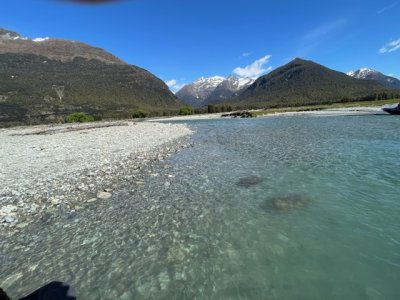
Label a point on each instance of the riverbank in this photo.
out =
(336, 109)
(50, 169)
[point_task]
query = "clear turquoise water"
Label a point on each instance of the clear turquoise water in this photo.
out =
(192, 233)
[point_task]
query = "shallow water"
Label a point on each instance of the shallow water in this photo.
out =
(194, 231)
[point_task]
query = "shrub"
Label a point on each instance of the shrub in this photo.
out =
(187, 110)
(139, 113)
(80, 117)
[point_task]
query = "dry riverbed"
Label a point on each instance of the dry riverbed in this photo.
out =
(51, 169)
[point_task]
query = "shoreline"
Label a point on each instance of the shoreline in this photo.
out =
(344, 111)
(52, 169)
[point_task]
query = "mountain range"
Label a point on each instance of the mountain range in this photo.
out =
(214, 89)
(300, 82)
(43, 80)
(369, 74)
(304, 82)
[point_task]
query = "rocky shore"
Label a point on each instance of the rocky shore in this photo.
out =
(52, 169)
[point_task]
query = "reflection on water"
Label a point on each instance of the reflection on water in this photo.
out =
(271, 208)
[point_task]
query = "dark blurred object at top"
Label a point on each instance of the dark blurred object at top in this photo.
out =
(92, 1)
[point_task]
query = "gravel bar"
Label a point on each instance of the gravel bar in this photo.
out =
(48, 168)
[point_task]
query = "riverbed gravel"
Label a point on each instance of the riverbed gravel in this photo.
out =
(48, 169)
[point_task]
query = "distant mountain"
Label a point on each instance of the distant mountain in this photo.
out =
(212, 90)
(230, 87)
(43, 80)
(365, 73)
(303, 82)
(196, 93)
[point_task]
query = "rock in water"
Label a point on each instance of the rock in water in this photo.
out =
(285, 203)
(249, 181)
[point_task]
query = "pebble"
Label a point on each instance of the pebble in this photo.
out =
(9, 219)
(8, 209)
(55, 201)
(163, 280)
(22, 225)
(283, 238)
(104, 195)
(91, 200)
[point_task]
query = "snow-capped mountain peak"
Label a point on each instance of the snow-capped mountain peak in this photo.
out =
(362, 73)
(370, 74)
(207, 90)
(245, 82)
(196, 92)
(208, 82)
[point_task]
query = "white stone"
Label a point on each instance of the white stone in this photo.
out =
(104, 195)
(8, 210)
(55, 201)
(22, 225)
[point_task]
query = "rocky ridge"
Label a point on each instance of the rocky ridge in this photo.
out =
(56, 49)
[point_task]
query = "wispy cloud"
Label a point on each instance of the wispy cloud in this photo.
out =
(245, 54)
(174, 85)
(390, 47)
(255, 69)
(386, 8)
(314, 37)
(323, 30)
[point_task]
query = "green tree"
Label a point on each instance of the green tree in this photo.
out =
(137, 113)
(79, 117)
(186, 110)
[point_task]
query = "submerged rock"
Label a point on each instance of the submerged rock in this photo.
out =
(285, 203)
(249, 181)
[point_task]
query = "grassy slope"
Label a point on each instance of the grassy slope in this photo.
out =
(28, 86)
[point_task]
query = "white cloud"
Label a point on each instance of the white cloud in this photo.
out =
(389, 7)
(245, 54)
(255, 69)
(171, 82)
(174, 85)
(390, 47)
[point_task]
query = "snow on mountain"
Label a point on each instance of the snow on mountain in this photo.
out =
(203, 85)
(229, 88)
(212, 89)
(38, 40)
(197, 92)
(362, 73)
(370, 74)
(11, 35)
(245, 82)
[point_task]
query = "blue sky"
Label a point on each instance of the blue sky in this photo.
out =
(181, 40)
